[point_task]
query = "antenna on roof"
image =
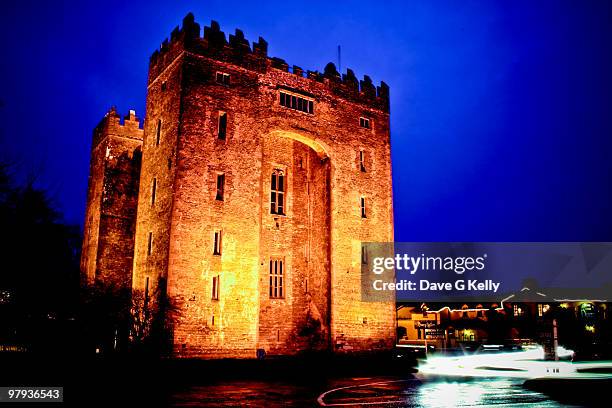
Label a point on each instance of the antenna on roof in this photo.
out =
(339, 60)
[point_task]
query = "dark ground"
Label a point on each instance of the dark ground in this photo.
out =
(386, 381)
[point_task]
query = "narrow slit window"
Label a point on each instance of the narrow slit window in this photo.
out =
(222, 125)
(364, 254)
(150, 244)
(217, 243)
(153, 190)
(220, 187)
(277, 192)
(158, 132)
(362, 166)
(277, 276)
(215, 287)
(362, 204)
(146, 290)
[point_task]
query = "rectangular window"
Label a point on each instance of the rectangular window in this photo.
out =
(220, 186)
(362, 161)
(215, 288)
(153, 191)
(158, 132)
(150, 244)
(364, 122)
(518, 311)
(146, 291)
(277, 275)
(222, 125)
(362, 204)
(277, 192)
(217, 243)
(542, 309)
(296, 102)
(223, 78)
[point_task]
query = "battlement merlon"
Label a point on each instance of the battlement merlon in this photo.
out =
(237, 50)
(112, 125)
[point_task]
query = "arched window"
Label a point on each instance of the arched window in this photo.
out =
(277, 192)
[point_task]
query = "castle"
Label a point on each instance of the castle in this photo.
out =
(245, 199)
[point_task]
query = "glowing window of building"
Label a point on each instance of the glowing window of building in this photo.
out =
(517, 310)
(277, 192)
(277, 276)
(220, 187)
(296, 102)
(542, 309)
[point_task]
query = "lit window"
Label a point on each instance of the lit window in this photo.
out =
(364, 122)
(296, 102)
(158, 132)
(222, 125)
(542, 309)
(277, 193)
(518, 311)
(153, 191)
(215, 288)
(277, 275)
(217, 243)
(362, 204)
(223, 78)
(220, 186)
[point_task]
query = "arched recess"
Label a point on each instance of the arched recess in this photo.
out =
(299, 239)
(320, 148)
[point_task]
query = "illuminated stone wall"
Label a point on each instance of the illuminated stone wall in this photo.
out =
(108, 245)
(318, 237)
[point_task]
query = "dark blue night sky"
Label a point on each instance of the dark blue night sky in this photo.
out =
(501, 111)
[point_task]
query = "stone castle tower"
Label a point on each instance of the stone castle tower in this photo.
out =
(258, 184)
(110, 218)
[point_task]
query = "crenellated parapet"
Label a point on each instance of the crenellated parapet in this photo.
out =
(235, 49)
(112, 124)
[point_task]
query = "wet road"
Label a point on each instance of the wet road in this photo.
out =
(363, 392)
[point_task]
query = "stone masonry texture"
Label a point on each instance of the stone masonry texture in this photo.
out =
(221, 301)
